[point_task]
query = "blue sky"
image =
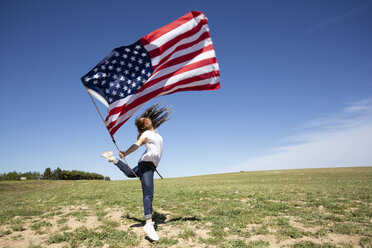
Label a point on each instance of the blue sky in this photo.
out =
(296, 86)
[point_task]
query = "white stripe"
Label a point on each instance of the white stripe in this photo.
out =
(174, 33)
(155, 60)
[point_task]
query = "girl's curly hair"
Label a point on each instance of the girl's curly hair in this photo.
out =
(153, 117)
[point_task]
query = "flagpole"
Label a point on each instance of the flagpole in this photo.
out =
(113, 140)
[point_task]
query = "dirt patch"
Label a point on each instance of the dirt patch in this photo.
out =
(268, 238)
(301, 226)
(353, 240)
(20, 239)
(114, 214)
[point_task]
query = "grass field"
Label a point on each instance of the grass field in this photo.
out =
(289, 208)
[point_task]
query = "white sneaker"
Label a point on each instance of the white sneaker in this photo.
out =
(109, 156)
(150, 231)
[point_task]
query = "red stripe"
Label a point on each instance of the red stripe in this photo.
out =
(156, 92)
(189, 67)
(197, 88)
(156, 52)
(165, 29)
(204, 36)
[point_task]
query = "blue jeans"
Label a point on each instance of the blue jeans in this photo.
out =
(145, 171)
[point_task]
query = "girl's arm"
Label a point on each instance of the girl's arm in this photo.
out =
(133, 147)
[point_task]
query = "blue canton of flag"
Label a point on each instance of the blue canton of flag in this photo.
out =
(120, 74)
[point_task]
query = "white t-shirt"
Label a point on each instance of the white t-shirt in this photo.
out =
(154, 147)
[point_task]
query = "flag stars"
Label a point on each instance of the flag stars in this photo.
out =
(122, 74)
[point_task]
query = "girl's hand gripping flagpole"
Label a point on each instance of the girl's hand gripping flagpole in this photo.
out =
(113, 140)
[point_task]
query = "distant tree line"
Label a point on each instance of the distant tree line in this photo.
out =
(56, 174)
(17, 175)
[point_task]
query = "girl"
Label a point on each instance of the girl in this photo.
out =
(146, 124)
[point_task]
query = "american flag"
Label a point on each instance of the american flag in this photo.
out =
(177, 57)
